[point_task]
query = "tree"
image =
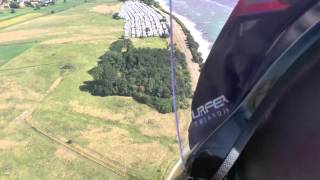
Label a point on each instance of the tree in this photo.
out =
(108, 78)
(116, 16)
(37, 7)
(123, 87)
(142, 73)
(14, 5)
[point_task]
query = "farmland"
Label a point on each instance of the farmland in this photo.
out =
(44, 59)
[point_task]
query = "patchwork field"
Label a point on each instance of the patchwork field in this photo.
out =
(49, 128)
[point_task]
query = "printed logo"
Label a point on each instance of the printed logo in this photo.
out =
(211, 110)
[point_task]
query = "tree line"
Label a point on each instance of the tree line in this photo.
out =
(142, 73)
(192, 44)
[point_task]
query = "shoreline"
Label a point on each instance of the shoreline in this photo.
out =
(204, 45)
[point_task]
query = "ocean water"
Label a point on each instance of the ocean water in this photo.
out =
(204, 18)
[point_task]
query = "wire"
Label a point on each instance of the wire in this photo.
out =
(173, 84)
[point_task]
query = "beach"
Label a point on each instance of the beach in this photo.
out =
(204, 25)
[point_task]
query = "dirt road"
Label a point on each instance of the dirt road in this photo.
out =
(179, 39)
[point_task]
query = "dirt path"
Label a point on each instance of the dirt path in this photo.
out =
(27, 114)
(93, 157)
(53, 86)
(179, 39)
(87, 154)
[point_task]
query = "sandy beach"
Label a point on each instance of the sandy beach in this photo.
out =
(204, 45)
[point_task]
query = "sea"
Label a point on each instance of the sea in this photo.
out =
(204, 18)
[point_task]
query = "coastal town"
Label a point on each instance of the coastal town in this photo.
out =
(142, 21)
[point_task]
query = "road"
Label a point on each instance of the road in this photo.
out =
(179, 39)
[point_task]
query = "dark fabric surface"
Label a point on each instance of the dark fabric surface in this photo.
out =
(233, 65)
(287, 146)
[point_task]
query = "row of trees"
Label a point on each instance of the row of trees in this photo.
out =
(142, 73)
(192, 44)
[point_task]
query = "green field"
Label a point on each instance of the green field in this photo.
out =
(33, 54)
(152, 42)
(58, 7)
(7, 52)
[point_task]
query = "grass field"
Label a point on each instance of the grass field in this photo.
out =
(27, 12)
(33, 53)
(152, 42)
(7, 52)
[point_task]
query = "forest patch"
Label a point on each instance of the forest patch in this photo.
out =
(142, 73)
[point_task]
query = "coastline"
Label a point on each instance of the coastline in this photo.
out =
(204, 45)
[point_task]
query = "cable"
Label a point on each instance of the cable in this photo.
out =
(173, 85)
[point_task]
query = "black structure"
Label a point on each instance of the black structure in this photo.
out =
(255, 107)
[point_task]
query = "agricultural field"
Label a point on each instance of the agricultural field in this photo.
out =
(49, 128)
(24, 14)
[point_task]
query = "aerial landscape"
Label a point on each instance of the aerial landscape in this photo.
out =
(81, 98)
(111, 89)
